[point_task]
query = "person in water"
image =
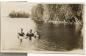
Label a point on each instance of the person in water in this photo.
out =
(30, 34)
(21, 36)
(36, 35)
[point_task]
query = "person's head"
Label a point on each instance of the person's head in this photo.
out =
(30, 30)
(21, 29)
(36, 32)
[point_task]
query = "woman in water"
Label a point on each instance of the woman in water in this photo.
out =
(21, 36)
(29, 34)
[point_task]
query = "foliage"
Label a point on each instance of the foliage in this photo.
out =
(18, 15)
(55, 12)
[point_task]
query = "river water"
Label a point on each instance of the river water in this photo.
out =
(58, 36)
(53, 37)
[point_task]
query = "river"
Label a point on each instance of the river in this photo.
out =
(53, 37)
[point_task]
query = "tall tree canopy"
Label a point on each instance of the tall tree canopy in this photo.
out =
(57, 11)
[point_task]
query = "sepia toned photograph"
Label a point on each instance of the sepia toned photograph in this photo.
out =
(41, 27)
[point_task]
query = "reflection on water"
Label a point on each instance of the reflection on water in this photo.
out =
(53, 37)
(56, 37)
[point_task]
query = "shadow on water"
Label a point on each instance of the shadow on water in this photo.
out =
(57, 37)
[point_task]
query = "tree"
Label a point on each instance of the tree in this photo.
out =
(37, 12)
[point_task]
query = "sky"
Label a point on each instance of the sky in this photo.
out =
(7, 7)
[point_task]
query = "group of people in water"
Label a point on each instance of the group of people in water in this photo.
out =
(29, 35)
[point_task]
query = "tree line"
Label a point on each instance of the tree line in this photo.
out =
(57, 12)
(15, 14)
